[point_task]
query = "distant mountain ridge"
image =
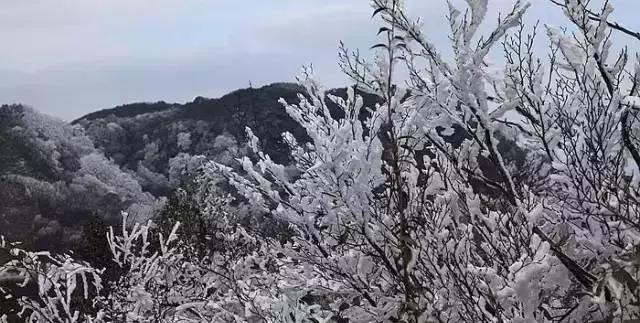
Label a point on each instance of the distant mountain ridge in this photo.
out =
(147, 134)
(137, 108)
(204, 119)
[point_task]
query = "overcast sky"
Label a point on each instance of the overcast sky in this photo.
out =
(70, 57)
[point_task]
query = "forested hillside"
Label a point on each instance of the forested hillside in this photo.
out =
(54, 180)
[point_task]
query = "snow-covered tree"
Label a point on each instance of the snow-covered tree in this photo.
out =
(393, 211)
(62, 285)
(184, 140)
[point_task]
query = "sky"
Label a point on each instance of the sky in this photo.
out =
(67, 58)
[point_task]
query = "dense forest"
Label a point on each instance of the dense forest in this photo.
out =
(432, 189)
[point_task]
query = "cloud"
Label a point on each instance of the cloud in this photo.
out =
(315, 29)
